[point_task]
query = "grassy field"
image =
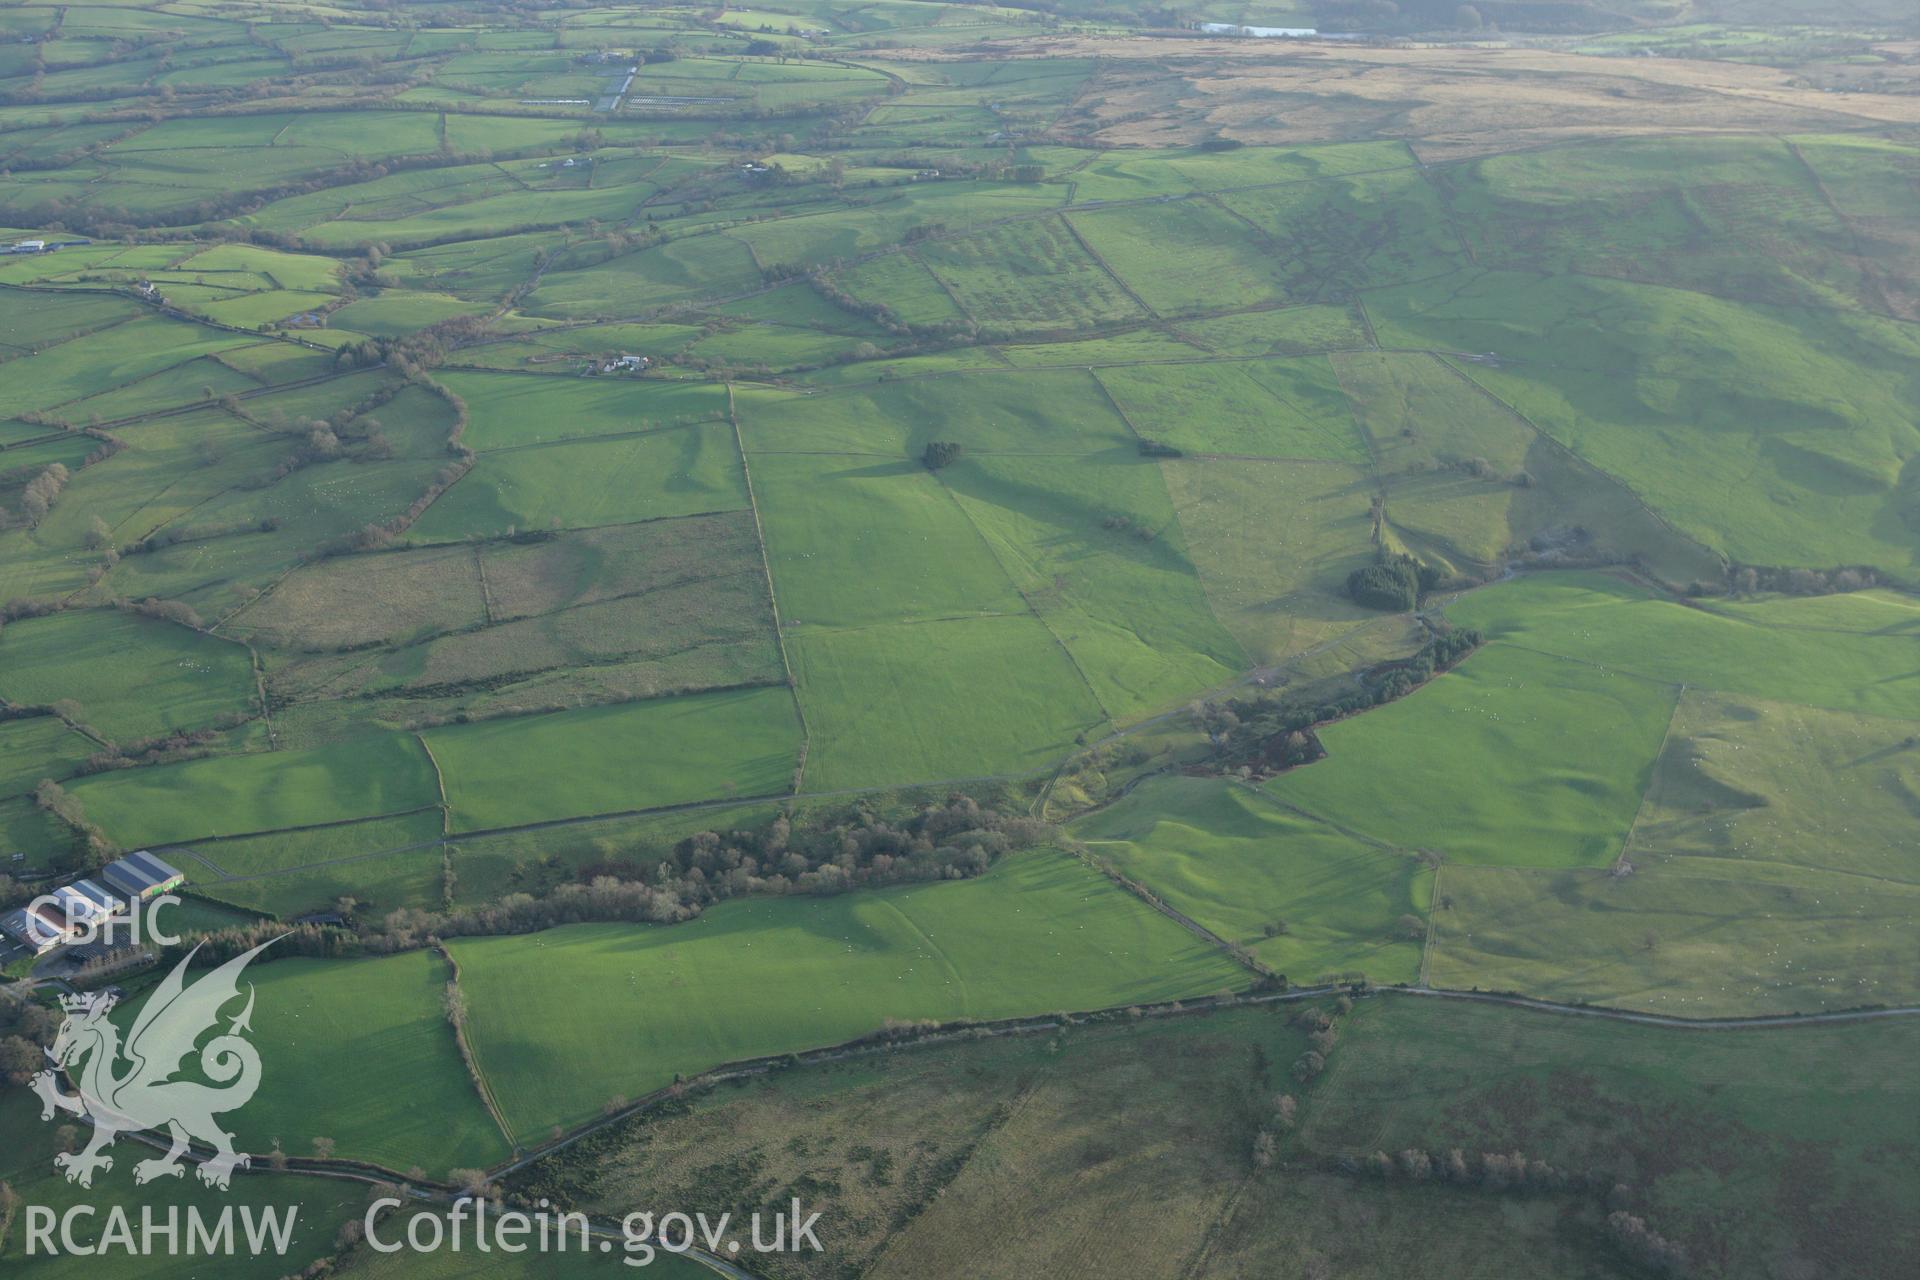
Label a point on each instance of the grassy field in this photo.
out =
(133, 677)
(1672, 391)
(262, 791)
(366, 600)
(38, 747)
(1094, 546)
(1290, 410)
(850, 541)
(960, 698)
(1747, 218)
(290, 873)
(1043, 412)
(1282, 592)
(1217, 264)
(686, 608)
(1029, 276)
(640, 755)
(1696, 937)
(1305, 898)
(1037, 933)
(346, 1049)
(682, 472)
(509, 410)
(1774, 782)
(1471, 483)
(1347, 233)
(1623, 626)
(1513, 758)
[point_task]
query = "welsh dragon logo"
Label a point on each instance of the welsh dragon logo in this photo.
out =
(130, 1087)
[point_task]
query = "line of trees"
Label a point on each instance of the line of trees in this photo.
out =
(1514, 1172)
(38, 495)
(1752, 579)
(1268, 732)
(91, 845)
(853, 849)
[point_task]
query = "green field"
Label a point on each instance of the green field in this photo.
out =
(961, 698)
(1695, 937)
(261, 791)
(1626, 628)
(38, 747)
(1036, 934)
(1672, 391)
(850, 542)
(346, 1048)
(1283, 592)
(1774, 782)
(349, 604)
(1028, 276)
(1094, 546)
(592, 482)
(132, 677)
(1047, 412)
(640, 755)
(1512, 759)
(1291, 410)
(1246, 869)
(509, 410)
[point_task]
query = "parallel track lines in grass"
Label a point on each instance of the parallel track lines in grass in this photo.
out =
(1577, 458)
(773, 597)
(1679, 698)
(1113, 275)
(1028, 602)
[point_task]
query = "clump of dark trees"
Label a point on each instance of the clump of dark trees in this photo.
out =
(26, 1027)
(851, 849)
(939, 453)
(425, 348)
(1272, 731)
(1393, 582)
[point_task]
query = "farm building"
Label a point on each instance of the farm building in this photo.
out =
(140, 876)
(85, 902)
(37, 927)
